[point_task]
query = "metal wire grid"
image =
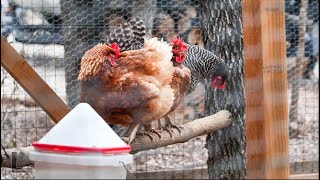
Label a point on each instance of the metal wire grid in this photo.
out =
(303, 78)
(53, 37)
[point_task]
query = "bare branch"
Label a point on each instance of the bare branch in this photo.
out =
(190, 130)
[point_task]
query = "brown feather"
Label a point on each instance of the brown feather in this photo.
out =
(180, 83)
(135, 90)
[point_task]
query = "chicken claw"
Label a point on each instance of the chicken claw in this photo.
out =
(157, 132)
(147, 134)
(149, 129)
(170, 125)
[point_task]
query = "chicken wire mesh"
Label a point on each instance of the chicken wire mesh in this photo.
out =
(302, 35)
(53, 35)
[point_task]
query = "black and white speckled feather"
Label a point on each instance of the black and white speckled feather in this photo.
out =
(203, 64)
(129, 35)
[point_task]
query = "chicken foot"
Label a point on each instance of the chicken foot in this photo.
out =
(131, 133)
(148, 129)
(170, 125)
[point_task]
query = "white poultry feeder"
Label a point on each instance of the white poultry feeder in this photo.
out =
(81, 146)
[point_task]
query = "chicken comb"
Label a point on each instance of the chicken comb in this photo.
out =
(178, 41)
(116, 48)
(179, 49)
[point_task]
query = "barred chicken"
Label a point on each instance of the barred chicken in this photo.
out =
(201, 64)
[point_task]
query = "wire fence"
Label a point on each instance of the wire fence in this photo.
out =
(302, 28)
(53, 35)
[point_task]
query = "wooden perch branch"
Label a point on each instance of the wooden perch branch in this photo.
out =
(190, 130)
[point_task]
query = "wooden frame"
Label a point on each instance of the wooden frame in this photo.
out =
(31, 82)
(266, 89)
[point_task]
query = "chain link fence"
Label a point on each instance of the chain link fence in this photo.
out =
(53, 35)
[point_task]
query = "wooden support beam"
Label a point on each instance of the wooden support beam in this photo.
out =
(31, 82)
(266, 89)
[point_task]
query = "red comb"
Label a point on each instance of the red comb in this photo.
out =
(178, 41)
(179, 50)
(116, 48)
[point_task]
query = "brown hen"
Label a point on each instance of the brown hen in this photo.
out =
(131, 88)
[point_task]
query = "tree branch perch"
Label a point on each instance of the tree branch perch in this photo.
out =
(190, 130)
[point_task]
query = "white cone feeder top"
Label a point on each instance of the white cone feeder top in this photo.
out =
(81, 146)
(81, 132)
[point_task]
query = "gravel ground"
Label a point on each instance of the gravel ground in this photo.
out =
(22, 122)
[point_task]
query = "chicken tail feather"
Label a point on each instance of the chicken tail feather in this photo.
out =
(129, 35)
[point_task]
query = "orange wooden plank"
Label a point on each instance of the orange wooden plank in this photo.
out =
(266, 89)
(32, 83)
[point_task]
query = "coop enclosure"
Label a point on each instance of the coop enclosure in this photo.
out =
(53, 35)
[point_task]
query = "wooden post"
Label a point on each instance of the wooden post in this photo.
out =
(266, 89)
(32, 83)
